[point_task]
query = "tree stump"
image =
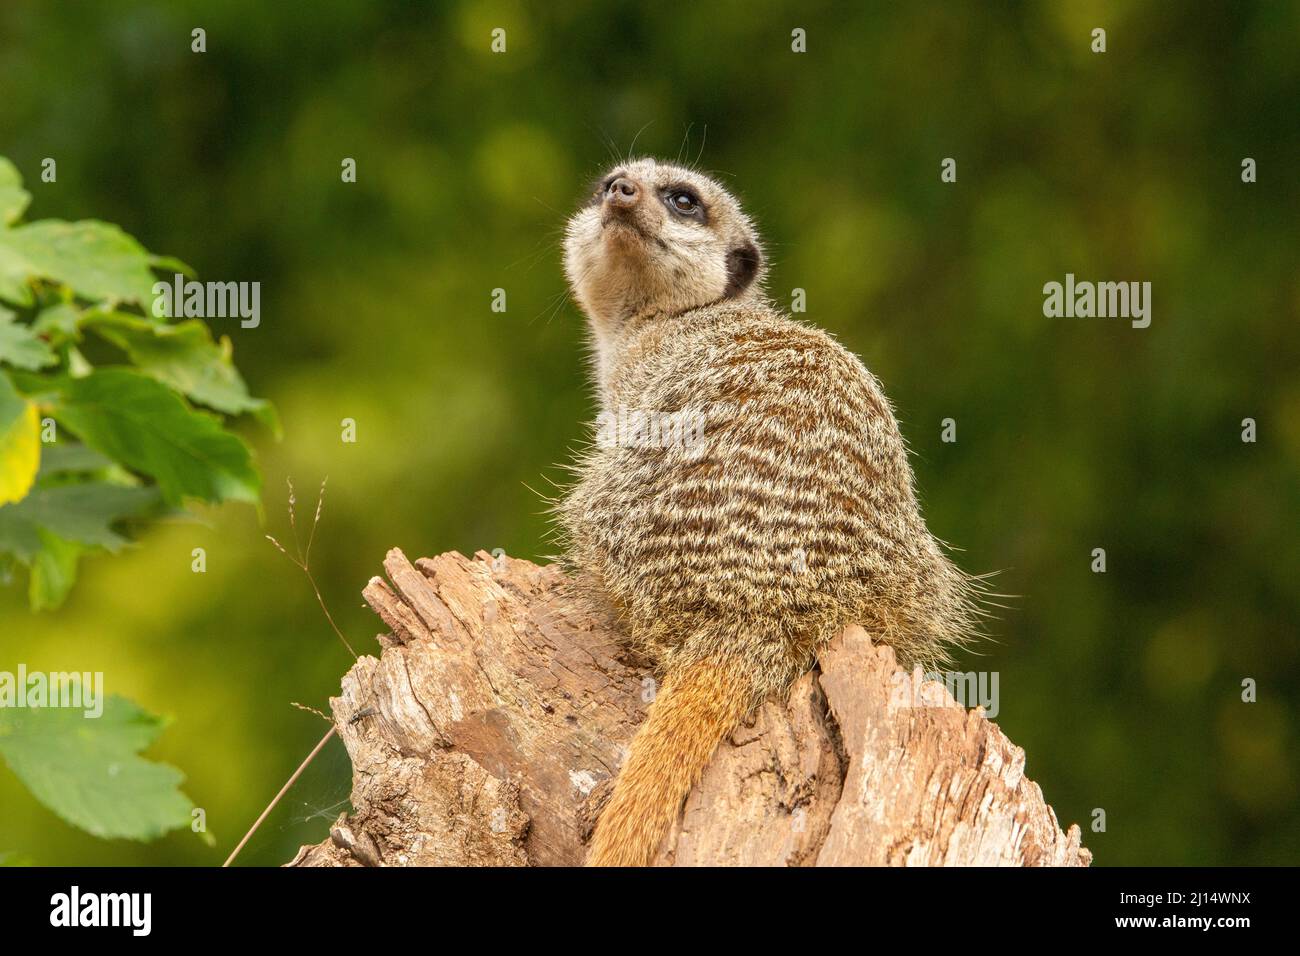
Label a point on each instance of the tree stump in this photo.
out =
(491, 727)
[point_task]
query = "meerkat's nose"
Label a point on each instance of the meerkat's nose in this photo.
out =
(623, 193)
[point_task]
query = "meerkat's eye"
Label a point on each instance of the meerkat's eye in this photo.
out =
(684, 202)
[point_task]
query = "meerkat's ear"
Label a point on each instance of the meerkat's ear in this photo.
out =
(742, 266)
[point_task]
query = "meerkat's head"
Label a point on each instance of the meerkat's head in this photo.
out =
(657, 238)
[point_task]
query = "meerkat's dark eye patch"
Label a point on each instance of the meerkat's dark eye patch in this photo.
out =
(685, 202)
(742, 266)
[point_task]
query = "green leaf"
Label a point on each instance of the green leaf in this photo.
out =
(19, 345)
(20, 443)
(13, 198)
(53, 571)
(55, 524)
(95, 259)
(143, 424)
(83, 513)
(61, 457)
(185, 357)
(89, 772)
(171, 264)
(61, 319)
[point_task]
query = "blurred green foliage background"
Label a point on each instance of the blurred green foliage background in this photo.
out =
(1124, 687)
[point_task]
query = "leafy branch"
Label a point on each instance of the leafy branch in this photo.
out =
(152, 419)
(87, 450)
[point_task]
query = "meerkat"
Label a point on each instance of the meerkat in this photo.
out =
(730, 560)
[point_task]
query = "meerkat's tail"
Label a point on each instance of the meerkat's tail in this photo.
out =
(694, 710)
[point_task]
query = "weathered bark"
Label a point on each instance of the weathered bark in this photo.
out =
(490, 729)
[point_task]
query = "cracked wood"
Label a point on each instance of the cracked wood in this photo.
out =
(490, 728)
